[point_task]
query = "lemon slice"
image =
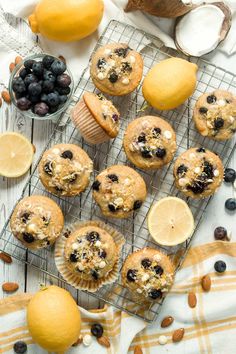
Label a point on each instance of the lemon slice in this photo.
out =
(170, 221)
(16, 154)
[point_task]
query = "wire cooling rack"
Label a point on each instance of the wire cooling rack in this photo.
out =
(160, 183)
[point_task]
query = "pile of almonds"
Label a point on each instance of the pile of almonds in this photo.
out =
(8, 287)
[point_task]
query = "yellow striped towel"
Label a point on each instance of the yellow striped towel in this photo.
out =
(210, 327)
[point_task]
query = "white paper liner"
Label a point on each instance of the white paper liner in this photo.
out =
(74, 279)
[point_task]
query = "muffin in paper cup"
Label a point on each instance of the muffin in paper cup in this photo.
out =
(87, 256)
(97, 118)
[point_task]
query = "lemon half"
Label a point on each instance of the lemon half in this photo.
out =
(170, 221)
(16, 154)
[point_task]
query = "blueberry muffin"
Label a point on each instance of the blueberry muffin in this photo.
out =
(96, 117)
(149, 142)
(90, 252)
(148, 274)
(37, 221)
(119, 190)
(215, 115)
(198, 172)
(116, 69)
(65, 170)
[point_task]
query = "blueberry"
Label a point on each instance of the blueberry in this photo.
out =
(73, 257)
(47, 61)
(48, 168)
(218, 123)
(102, 254)
(126, 67)
(58, 189)
(29, 79)
(34, 99)
(113, 177)
(63, 90)
(182, 169)
(142, 138)
(113, 77)
(47, 86)
(112, 207)
(44, 98)
(20, 347)
(145, 152)
(156, 131)
(101, 63)
(197, 187)
(122, 52)
(28, 237)
(230, 204)
(23, 104)
(146, 263)
(28, 64)
(34, 89)
(96, 185)
(158, 270)
(38, 69)
(211, 99)
(160, 152)
(203, 110)
(208, 169)
(97, 330)
(115, 117)
(41, 109)
(230, 175)
(94, 274)
(63, 99)
(49, 76)
(220, 233)
(155, 294)
(137, 204)
(23, 73)
(53, 99)
(201, 149)
(25, 217)
(92, 236)
(63, 80)
(220, 266)
(58, 67)
(53, 109)
(67, 154)
(131, 275)
(18, 85)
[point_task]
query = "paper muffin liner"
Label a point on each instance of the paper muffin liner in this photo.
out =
(91, 131)
(74, 279)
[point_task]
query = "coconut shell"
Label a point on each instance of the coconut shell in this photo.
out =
(160, 8)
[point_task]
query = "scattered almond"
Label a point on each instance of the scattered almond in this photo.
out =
(178, 334)
(6, 96)
(167, 321)
(5, 257)
(62, 58)
(10, 287)
(18, 59)
(12, 67)
(104, 341)
(206, 283)
(138, 350)
(79, 341)
(192, 299)
(0, 102)
(34, 148)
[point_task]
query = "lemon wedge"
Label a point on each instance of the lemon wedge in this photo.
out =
(16, 154)
(170, 221)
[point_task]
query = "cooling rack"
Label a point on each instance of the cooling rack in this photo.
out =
(160, 183)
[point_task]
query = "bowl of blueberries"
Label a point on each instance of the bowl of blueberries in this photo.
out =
(41, 86)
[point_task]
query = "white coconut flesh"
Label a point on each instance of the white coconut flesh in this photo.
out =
(198, 32)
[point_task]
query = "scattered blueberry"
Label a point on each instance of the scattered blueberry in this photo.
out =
(28, 237)
(220, 266)
(58, 67)
(58, 189)
(34, 89)
(20, 347)
(53, 99)
(208, 169)
(73, 257)
(220, 233)
(48, 86)
(211, 99)
(113, 77)
(132, 275)
(203, 110)
(96, 185)
(23, 104)
(145, 152)
(160, 152)
(63, 80)
(67, 154)
(101, 63)
(41, 109)
(182, 169)
(201, 149)
(126, 67)
(97, 330)
(230, 175)
(156, 131)
(94, 274)
(29, 79)
(93, 236)
(115, 117)
(121, 52)
(112, 207)
(63, 90)
(113, 177)
(218, 123)
(230, 204)
(38, 69)
(18, 85)
(47, 61)
(28, 64)
(137, 204)
(25, 217)
(146, 263)
(102, 254)
(158, 270)
(142, 138)
(48, 168)
(197, 187)
(155, 294)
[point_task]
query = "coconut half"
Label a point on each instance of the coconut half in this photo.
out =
(202, 29)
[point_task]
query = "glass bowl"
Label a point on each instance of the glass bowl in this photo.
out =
(29, 114)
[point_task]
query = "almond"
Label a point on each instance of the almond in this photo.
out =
(18, 59)
(166, 322)
(206, 283)
(192, 300)
(104, 341)
(5, 257)
(178, 334)
(10, 287)
(62, 58)
(6, 96)
(11, 67)
(138, 350)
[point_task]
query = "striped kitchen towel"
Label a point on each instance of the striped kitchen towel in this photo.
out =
(210, 327)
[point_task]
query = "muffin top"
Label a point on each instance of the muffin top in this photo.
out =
(37, 221)
(116, 69)
(215, 115)
(119, 190)
(90, 252)
(198, 172)
(104, 112)
(149, 142)
(65, 169)
(148, 273)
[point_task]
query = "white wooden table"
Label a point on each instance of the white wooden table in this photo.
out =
(38, 132)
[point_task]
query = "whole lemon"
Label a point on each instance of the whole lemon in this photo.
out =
(66, 20)
(169, 83)
(53, 319)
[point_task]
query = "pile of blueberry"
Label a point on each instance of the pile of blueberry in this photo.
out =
(42, 86)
